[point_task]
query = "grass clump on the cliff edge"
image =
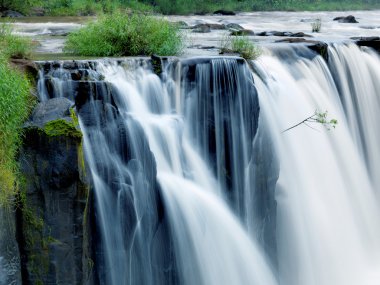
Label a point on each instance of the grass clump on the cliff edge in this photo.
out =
(241, 45)
(15, 105)
(126, 35)
(13, 46)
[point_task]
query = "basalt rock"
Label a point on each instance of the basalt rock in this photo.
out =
(224, 13)
(11, 14)
(317, 46)
(283, 34)
(372, 42)
(51, 219)
(243, 32)
(347, 19)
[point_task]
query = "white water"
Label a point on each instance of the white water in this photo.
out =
(327, 193)
(211, 247)
(328, 208)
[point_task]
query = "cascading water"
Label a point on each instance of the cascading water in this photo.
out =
(187, 175)
(327, 222)
(160, 214)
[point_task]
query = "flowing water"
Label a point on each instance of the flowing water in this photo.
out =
(195, 181)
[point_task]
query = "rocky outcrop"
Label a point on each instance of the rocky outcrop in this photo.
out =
(243, 32)
(346, 19)
(319, 47)
(224, 13)
(51, 218)
(11, 14)
(283, 34)
(372, 42)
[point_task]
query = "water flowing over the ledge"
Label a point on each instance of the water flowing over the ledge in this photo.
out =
(195, 183)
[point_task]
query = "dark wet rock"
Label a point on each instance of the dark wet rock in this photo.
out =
(53, 109)
(51, 221)
(11, 14)
(37, 12)
(369, 27)
(10, 271)
(372, 42)
(235, 27)
(282, 34)
(202, 28)
(224, 13)
(181, 24)
(242, 33)
(319, 47)
(26, 66)
(300, 35)
(347, 19)
(207, 27)
(59, 34)
(202, 47)
(215, 26)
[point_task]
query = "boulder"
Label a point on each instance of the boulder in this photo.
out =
(242, 33)
(319, 47)
(224, 13)
(283, 34)
(202, 28)
(181, 24)
(235, 27)
(347, 19)
(11, 14)
(372, 42)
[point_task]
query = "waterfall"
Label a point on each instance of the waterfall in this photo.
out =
(195, 182)
(327, 202)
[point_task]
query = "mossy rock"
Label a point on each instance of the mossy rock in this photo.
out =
(62, 127)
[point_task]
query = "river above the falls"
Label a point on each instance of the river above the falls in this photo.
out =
(50, 32)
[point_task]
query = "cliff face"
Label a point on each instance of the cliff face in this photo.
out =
(51, 218)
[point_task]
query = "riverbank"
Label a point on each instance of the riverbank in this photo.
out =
(176, 7)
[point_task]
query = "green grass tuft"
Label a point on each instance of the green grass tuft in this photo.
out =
(15, 104)
(126, 35)
(241, 45)
(13, 46)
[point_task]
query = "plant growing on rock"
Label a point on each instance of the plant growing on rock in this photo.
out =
(241, 45)
(126, 35)
(316, 26)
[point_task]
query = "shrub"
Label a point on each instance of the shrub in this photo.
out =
(14, 109)
(316, 26)
(126, 35)
(241, 45)
(12, 46)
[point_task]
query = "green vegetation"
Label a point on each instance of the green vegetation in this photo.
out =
(241, 45)
(15, 104)
(319, 118)
(316, 26)
(121, 35)
(12, 46)
(91, 7)
(61, 127)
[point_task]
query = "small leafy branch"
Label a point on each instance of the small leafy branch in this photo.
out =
(317, 117)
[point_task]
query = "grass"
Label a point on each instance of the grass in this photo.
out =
(15, 104)
(316, 26)
(121, 35)
(12, 46)
(241, 45)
